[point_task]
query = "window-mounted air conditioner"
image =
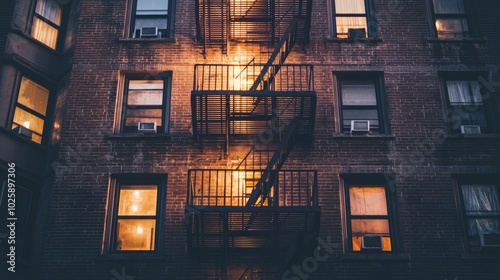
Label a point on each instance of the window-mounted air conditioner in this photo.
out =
(360, 126)
(146, 127)
(490, 240)
(356, 33)
(470, 129)
(371, 243)
(23, 131)
(149, 32)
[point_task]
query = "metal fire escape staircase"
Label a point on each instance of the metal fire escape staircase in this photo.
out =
(257, 205)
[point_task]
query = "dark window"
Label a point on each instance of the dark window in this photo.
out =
(481, 205)
(146, 100)
(469, 103)
(152, 19)
(30, 113)
(137, 213)
(368, 210)
(353, 14)
(47, 22)
(361, 100)
(450, 19)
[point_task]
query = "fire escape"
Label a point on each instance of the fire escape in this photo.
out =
(258, 205)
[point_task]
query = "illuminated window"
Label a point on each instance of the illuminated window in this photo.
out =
(152, 19)
(47, 22)
(469, 103)
(146, 100)
(360, 99)
(481, 204)
(353, 14)
(137, 212)
(368, 208)
(31, 109)
(450, 19)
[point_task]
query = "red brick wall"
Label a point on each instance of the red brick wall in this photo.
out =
(428, 218)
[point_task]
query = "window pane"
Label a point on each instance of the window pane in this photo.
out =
(44, 33)
(451, 28)
(367, 226)
(50, 10)
(481, 199)
(152, 7)
(145, 97)
(135, 234)
(28, 120)
(464, 92)
(358, 93)
(484, 226)
(350, 7)
(145, 84)
(448, 7)
(161, 23)
(346, 23)
(367, 200)
(137, 201)
(134, 116)
(360, 114)
(33, 96)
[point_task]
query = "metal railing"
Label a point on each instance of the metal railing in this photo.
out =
(228, 77)
(228, 187)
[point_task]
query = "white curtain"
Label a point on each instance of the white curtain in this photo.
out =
(464, 92)
(482, 200)
(350, 7)
(50, 10)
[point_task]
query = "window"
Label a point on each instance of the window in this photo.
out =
(481, 204)
(468, 104)
(152, 19)
(146, 99)
(137, 214)
(353, 14)
(360, 99)
(450, 19)
(31, 109)
(47, 22)
(368, 211)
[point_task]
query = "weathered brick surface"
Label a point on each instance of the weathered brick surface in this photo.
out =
(428, 219)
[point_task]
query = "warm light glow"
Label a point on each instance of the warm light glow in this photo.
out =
(26, 124)
(135, 208)
(140, 230)
(137, 193)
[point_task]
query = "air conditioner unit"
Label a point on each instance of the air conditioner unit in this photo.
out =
(23, 131)
(490, 240)
(470, 129)
(149, 32)
(360, 126)
(356, 33)
(146, 127)
(371, 243)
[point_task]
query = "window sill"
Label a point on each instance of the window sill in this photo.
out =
(478, 136)
(364, 136)
(130, 256)
(22, 139)
(361, 40)
(481, 256)
(146, 40)
(375, 257)
(452, 41)
(138, 136)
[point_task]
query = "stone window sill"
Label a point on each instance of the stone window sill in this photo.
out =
(364, 136)
(478, 136)
(130, 256)
(138, 136)
(361, 40)
(452, 41)
(147, 40)
(375, 257)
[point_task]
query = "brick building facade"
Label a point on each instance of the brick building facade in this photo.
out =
(259, 170)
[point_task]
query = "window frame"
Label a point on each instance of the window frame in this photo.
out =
(470, 18)
(371, 21)
(133, 16)
(116, 183)
(61, 29)
(378, 79)
(488, 103)
(367, 180)
(47, 119)
(472, 179)
(167, 95)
